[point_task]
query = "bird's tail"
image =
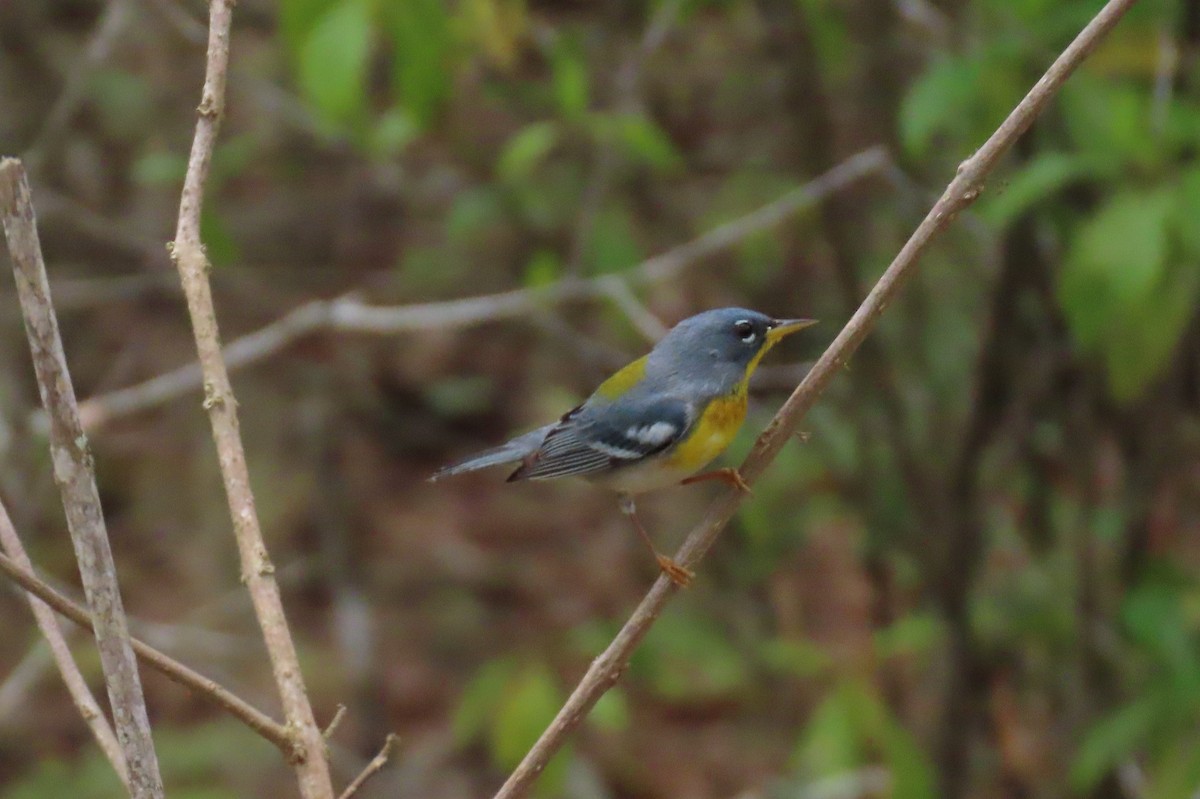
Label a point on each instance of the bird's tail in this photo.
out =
(517, 449)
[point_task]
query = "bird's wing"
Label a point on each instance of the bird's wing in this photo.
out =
(593, 439)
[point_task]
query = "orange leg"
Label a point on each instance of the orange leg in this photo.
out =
(728, 475)
(679, 575)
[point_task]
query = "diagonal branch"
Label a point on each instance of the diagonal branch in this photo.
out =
(72, 462)
(172, 669)
(77, 687)
(348, 314)
(187, 250)
(962, 191)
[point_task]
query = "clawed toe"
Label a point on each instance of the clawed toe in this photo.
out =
(728, 475)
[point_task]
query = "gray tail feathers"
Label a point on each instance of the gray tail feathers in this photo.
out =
(513, 451)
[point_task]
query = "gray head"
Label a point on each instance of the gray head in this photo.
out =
(724, 343)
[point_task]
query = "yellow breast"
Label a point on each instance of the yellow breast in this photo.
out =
(713, 432)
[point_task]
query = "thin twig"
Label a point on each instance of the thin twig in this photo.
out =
(172, 669)
(348, 314)
(187, 250)
(72, 463)
(379, 761)
(962, 191)
(338, 715)
(77, 687)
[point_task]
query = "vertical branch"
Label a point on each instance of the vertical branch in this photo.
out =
(312, 769)
(966, 187)
(72, 461)
(81, 695)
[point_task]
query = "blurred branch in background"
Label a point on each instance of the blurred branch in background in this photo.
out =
(81, 695)
(966, 187)
(187, 250)
(111, 25)
(175, 671)
(71, 458)
(348, 314)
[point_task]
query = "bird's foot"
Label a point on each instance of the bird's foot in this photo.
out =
(728, 475)
(679, 575)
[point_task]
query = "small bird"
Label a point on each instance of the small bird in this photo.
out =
(657, 421)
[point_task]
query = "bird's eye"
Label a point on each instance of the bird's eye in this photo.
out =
(744, 330)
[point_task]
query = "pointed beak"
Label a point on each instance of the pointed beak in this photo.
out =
(781, 328)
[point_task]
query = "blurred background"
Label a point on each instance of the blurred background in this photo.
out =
(974, 574)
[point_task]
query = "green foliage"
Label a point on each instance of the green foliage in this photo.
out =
(333, 62)
(526, 150)
(1125, 296)
(192, 760)
(570, 77)
(1038, 181)
(690, 659)
(509, 703)
(421, 55)
(1160, 719)
(333, 44)
(852, 728)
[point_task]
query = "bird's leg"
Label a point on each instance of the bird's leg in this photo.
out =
(678, 574)
(727, 475)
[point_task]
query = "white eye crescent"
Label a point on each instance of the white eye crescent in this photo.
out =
(745, 330)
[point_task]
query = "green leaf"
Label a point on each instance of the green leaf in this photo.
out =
(333, 62)
(160, 168)
(1187, 214)
(689, 659)
(1108, 120)
(422, 63)
(612, 245)
(570, 76)
(804, 659)
(218, 241)
(543, 268)
(1153, 615)
(830, 743)
(611, 712)
(480, 698)
(474, 211)
(527, 705)
(391, 133)
(912, 773)
(646, 142)
(1038, 180)
(297, 18)
(1112, 740)
(913, 633)
(936, 99)
(1175, 773)
(1110, 280)
(526, 150)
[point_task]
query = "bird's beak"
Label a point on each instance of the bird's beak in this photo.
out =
(781, 328)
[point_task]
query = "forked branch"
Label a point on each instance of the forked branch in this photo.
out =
(312, 768)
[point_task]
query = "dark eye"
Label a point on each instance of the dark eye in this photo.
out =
(744, 330)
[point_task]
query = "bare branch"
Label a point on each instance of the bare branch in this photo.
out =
(378, 762)
(72, 463)
(348, 314)
(81, 695)
(966, 187)
(172, 669)
(312, 769)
